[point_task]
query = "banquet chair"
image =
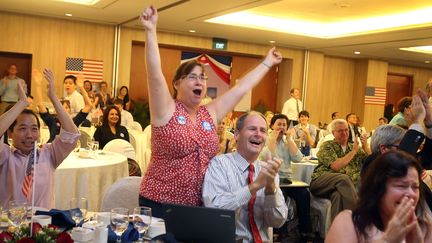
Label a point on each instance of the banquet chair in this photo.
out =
(84, 138)
(122, 146)
(123, 193)
(137, 126)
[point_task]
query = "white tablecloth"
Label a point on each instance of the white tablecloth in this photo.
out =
(88, 177)
(303, 171)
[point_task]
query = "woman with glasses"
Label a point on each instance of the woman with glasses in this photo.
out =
(184, 135)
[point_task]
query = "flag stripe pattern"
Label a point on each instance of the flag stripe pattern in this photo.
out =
(375, 96)
(28, 178)
(91, 69)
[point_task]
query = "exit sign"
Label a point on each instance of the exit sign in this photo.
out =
(220, 44)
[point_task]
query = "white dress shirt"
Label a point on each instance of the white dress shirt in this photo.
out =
(76, 102)
(226, 186)
(290, 108)
(126, 119)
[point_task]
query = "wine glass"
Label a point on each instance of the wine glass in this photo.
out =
(119, 221)
(95, 146)
(78, 209)
(17, 212)
(142, 219)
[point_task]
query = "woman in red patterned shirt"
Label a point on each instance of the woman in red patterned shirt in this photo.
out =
(183, 137)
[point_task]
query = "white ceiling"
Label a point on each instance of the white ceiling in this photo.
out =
(183, 15)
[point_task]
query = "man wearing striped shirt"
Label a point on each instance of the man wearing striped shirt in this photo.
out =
(239, 181)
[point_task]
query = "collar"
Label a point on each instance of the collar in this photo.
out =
(242, 163)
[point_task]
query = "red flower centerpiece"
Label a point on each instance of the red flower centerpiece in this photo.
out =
(45, 234)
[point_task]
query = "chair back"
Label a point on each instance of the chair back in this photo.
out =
(84, 138)
(121, 146)
(123, 193)
(137, 126)
(147, 132)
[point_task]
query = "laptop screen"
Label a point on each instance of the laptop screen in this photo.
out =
(200, 224)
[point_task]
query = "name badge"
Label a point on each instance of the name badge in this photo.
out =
(181, 120)
(206, 125)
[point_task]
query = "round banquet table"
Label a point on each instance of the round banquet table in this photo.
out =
(303, 171)
(88, 177)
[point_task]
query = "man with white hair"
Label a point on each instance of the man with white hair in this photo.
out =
(338, 169)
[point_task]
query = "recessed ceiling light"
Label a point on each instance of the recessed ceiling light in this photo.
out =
(329, 29)
(272, 42)
(421, 49)
(427, 61)
(69, 15)
(356, 53)
(192, 31)
(83, 2)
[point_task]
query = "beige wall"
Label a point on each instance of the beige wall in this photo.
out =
(334, 84)
(50, 41)
(128, 35)
(330, 85)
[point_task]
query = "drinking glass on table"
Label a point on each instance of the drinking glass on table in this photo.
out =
(142, 219)
(119, 221)
(78, 209)
(95, 146)
(17, 212)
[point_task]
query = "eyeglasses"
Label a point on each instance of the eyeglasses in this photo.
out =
(392, 146)
(194, 77)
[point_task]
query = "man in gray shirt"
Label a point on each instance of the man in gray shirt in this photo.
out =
(9, 88)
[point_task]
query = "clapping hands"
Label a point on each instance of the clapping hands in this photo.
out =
(403, 225)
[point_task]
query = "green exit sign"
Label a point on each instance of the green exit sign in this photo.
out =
(220, 44)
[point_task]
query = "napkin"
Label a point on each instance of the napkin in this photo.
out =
(60, 218)
(131, 235)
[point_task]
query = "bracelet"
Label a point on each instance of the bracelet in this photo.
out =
(263, 63)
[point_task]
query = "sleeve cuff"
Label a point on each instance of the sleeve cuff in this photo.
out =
(273, 201)
(68, 137)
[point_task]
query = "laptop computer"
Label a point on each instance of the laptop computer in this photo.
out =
(200, 224)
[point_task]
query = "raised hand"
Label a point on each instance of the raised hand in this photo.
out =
(273, 57)
(80, 80)
(425, 100)
(49, 76)
(38, 81)
(148, 18)
(399, 225)
(22, 94)
(416, 234)
(356, 144)
(418, 112)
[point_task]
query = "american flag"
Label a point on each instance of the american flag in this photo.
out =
(375, 96)
(91, 69)
(28, 178)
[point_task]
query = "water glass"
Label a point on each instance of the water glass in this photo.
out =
(119, 221)
(78, 209)
(95, 146)
(142, 217)
(17, 212)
